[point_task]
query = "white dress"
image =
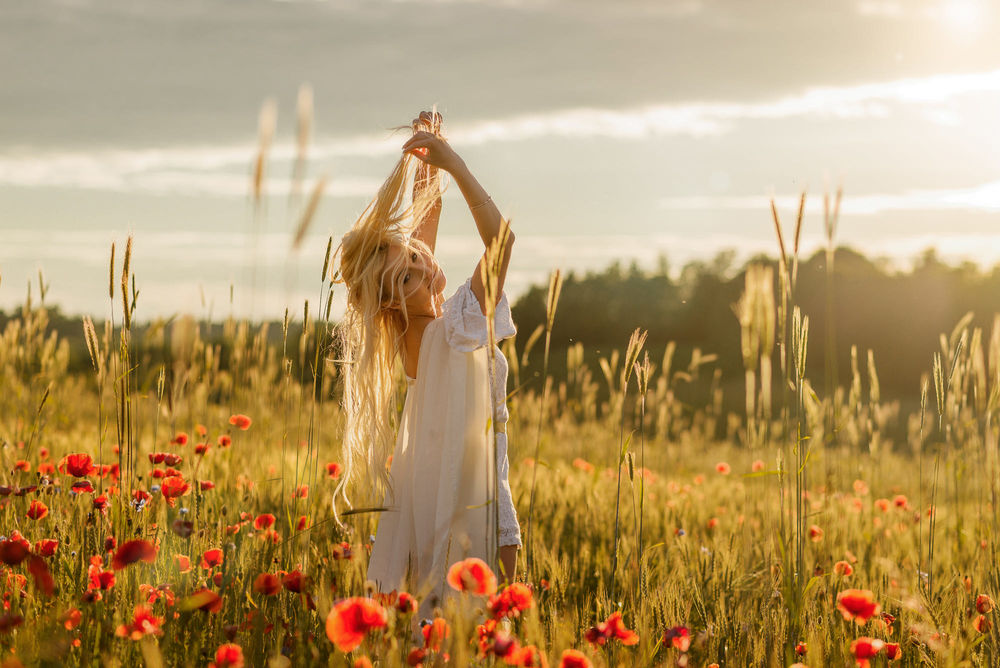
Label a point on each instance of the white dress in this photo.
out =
(441, 467)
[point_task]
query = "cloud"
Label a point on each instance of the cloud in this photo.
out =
(223, 170)
(984, 197)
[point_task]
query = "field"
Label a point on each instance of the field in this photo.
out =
(173, 506)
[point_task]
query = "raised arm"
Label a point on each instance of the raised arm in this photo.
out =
(434, 150)
(427, 177)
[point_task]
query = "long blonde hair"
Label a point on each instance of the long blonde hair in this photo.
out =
(370, 332)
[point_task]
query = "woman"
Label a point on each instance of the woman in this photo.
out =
(439, 490)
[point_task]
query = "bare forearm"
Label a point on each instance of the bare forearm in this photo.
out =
(487, 216)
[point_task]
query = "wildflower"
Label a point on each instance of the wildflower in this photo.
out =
(900, 501)
(610, 629)
(435, 633)
(174, 487)
(723, 468)
(206, 485)
(180, 439)
(204, 599)
(362, 662)
(37, 510)
(843, 568)
(78, 465)
(893, 651)
(82, 487)
(13, 552)
(201, 448)
(183, 563)
(416, 656)
(46, 547)
(857, 604)
(679, 637)
(883, 505)
(342, 551)
(865, 648)
(97, 577)
(101, 502)
(265, 521)
(982, 624)
(71, 618)
(267, 584)
(815, 533)
(583, 465)
(240, 421)
(228, 656)
(225, 441)
(712, 523)
(301, 492)
(296, 582)
(133, 551)
(351, 619)
(472, 575)
(303, 524)
(333, 469)
(40, 572)
(573, 658)
(515, 598)
(801, 648)
(143, 623)
(757, 466)
(406, 604)
(211, 558)
(984, 604)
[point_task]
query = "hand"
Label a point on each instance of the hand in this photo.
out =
(433, 150)
(426, 175)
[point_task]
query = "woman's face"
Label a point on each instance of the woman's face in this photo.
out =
(419, 281)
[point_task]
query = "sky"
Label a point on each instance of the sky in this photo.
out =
(604, 131)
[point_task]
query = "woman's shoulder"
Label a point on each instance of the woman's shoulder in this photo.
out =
(464, 323)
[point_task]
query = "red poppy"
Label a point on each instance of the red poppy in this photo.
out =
(815, 533)
(472, 575)
(180, 439)
(362, 662)
(37, 510)
(13, 552)
(333, 469)
(101, 502)
(893, 651)
(296, 582)
(265, 521)
(183, 563)
(71, 618)
(342, 550)
(583, 465)
(46, 547)
(982, 625)
(514, 598)
(82, 487)
(97, 577)
(143, 623)
(302, 524)
(174, 487)
(865, 648)
(201, 448)
(78, 465)
(435, 633)
(228, 656)
(301, 492)
(843, 568)
(240, 421)
(204, 599)
(267, 584)
(211, 558)
(225, 441)
(406, 604)
(857, 604)
(679, 637)
(206, 485)
(132, 551)
(984, 604)
(351, 619)
(416, 656)
(22, 465)
(723, 468)
(40, 572)
(573, 658)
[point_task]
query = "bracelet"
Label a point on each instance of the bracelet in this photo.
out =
(488, 200)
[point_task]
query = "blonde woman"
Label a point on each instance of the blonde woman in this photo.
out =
(443, 471)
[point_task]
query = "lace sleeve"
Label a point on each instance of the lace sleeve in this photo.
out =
(465, 324)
